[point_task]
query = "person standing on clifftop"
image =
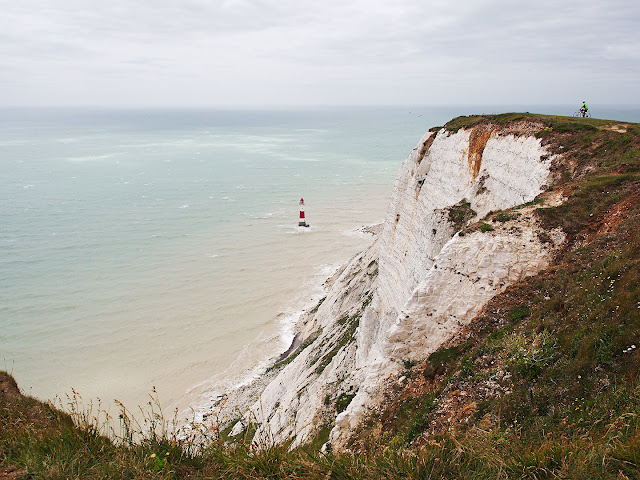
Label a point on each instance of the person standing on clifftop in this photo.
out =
(584, 108)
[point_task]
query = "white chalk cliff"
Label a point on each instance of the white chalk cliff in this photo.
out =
(417, 285)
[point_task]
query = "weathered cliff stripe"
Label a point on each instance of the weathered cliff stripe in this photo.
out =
(477, 141)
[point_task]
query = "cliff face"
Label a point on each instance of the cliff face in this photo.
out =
(418, 284)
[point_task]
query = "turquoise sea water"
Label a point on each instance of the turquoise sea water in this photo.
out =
(160, 247)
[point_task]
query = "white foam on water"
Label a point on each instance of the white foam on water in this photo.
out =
(92, 158)
(246, 367)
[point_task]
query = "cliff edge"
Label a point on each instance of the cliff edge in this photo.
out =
(425, 277)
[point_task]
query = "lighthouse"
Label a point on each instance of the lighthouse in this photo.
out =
(302, 222)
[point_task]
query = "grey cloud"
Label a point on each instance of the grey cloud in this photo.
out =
(301, 51)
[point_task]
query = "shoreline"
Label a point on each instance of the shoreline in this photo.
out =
(247, 391)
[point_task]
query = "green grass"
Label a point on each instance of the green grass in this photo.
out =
(344, 399)
(505, 216)
(554, 123)
(518, 313)
(473, 120)
(350, 324)
(460, 213)
(315, 309)
(485, 227)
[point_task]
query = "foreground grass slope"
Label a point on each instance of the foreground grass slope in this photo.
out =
(543, 384)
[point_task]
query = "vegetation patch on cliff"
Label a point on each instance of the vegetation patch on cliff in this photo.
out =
(460, 213)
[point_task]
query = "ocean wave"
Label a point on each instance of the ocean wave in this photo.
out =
(359, 233)
(212, 390)
(92, 158)
(266, 216)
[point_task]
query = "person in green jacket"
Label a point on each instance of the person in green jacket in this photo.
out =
(584, 108)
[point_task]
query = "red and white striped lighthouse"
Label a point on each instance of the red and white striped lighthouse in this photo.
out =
(302, 222)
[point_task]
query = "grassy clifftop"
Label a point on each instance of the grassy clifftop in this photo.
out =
(543, 384)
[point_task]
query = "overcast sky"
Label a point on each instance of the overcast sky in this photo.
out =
(297, 52)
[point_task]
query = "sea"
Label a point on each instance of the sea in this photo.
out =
(157, 251)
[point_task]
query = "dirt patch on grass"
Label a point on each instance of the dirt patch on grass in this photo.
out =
(526, 126)
(617, 214)
(9, 391)
(7, 473)
(620, 128)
